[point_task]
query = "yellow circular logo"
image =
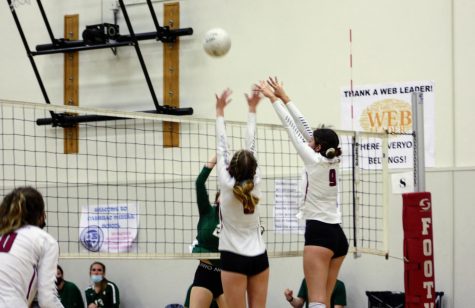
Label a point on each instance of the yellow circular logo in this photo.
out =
(391, 115)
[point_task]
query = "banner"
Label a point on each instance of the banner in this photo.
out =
(108, 228)
(387, 107)
(287, 197)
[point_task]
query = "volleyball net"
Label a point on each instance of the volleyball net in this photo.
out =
(126, 194)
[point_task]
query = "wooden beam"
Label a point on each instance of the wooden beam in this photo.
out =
(71, 82)
(171, 75)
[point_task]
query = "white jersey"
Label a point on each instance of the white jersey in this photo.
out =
(240, 233)
(319, 185)
(28, 260)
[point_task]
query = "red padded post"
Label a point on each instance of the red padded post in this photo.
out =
(419, 282)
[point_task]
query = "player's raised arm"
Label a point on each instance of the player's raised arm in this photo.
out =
(300, 143)
(222, 101)
(252, 101)
(202, 197)
(278, 88)
(302, 124)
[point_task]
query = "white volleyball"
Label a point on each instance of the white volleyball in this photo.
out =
(216, 42)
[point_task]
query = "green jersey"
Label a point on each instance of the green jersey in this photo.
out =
(109, 298)
(209, 218)
(70, 296)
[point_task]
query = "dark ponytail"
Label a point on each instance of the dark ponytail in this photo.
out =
(328, 141)
(332, 153)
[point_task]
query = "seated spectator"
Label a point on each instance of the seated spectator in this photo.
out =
(68, 292)
(102, 293)
(338, 299)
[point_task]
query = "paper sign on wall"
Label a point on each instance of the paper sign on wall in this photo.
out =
(387, 107)
(402, 182)
(108, 228)
(287, 197)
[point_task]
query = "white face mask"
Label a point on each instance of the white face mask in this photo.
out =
(96, 278)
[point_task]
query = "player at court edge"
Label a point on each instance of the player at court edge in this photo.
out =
(28, 254)
(326, 244)
(244, 261)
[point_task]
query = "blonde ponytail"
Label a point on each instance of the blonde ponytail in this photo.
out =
(242, 191)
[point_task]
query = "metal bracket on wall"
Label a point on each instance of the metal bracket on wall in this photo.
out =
(62, 45)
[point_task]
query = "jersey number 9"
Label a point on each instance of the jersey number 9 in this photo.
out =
(332, 177)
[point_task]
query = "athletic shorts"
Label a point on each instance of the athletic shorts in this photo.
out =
(209, 277)
(330, 236)
(249, 266)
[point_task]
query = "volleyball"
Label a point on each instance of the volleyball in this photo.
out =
(216, 42)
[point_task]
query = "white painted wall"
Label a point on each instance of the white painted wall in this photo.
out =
(306, 44)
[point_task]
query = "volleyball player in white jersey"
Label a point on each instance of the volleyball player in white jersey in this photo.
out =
(28, 255)
(325, 242)
(244, 261)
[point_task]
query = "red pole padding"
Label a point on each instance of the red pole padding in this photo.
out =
(419, 282)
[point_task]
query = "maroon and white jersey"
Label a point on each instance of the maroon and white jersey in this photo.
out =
(28, 259)
(240, 233)
(320, 179)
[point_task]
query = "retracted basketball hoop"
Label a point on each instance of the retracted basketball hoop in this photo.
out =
(97, 37)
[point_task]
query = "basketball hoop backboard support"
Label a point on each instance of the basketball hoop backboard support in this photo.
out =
(171, 71)
(71, 83)
(163, 34)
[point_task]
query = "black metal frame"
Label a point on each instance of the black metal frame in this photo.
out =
(163, 34)
(69, 120)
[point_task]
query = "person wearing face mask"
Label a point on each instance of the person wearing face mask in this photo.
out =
(28, 254)
(68, 292)
(102, 293)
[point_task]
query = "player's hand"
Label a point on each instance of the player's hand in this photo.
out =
(288, 294)
(222, 101)
(253, 99)
(278, 88)
(266, 90)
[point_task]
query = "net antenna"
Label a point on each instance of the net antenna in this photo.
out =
(100, 39)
